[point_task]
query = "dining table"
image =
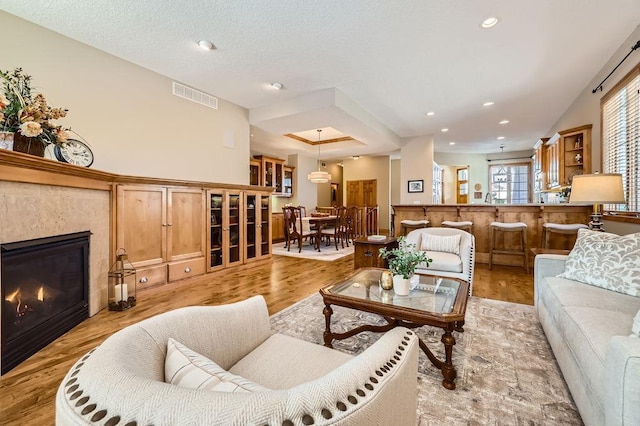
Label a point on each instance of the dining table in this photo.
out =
(320, 222)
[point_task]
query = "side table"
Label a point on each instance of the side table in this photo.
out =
(366, 252)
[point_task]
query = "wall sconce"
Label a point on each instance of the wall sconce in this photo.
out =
(122, 283)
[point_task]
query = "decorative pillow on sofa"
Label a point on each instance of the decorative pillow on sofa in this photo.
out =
(445, 243)
(186, 368)
(606, 260)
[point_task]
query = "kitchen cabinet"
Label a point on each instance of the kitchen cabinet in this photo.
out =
(272, 173)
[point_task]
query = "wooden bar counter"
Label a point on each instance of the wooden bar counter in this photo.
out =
(534, 215)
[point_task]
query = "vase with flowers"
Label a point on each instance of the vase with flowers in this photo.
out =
(403, 262)
(25, 116)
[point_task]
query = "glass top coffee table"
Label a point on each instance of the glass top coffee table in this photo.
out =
(436, 302)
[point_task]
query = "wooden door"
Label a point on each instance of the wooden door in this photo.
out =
(186, 237)
(362, 193)
(462, 185)
(141, 223)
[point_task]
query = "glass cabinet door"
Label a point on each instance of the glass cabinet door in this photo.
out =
(233, 228)
(279, 177)
(215, 230)
(268, 173)
(252, 226)
(265, 229)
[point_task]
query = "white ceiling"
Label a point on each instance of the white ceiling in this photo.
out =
(369, 69)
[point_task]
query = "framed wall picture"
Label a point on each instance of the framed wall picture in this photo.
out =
(416, 186)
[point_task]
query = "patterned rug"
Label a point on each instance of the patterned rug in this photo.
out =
(507, 374)
(327, 253)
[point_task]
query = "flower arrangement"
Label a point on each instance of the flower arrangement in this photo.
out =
(405, 259)
(26, 113)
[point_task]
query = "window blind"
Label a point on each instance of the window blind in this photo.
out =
(621, 138)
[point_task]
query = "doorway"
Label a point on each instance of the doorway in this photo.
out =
(462, 185)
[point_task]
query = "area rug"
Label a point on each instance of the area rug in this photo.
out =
(507, 374)
(326, 253)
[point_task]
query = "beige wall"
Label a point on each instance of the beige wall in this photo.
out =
(365, 168)
(417, 164)
(324, 190)
(135, 126)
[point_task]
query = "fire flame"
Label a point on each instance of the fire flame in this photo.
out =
(12, 297)
(41, 294)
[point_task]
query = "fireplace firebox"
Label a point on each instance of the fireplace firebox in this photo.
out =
(45, 292)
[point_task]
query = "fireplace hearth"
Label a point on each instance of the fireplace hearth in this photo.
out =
(44, 288)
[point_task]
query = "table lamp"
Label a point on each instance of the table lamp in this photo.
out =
(597, 189)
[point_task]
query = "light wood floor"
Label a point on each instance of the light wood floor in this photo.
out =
(27, 393)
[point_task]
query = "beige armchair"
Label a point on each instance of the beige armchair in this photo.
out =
(446, 263)
(122, 380)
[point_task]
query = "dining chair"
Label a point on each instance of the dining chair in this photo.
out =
(297, 229)
(337, 230)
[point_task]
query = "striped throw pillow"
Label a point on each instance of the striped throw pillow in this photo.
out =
(447, 244)
(186, 368)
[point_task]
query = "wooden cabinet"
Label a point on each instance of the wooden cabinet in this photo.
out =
(539, 176)
(277, 227)
(367, 252)
(576, 153)
(552, 162)
(240, 227)
(272, 173)
(568, 153)
(159, 226)
(258, 230)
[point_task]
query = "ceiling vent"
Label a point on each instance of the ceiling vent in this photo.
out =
(194, 95)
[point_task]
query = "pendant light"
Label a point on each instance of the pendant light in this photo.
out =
(319, 176)
(501, 176)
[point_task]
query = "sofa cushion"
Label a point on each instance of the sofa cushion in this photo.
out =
(447, 244)
(282, 362)
(635, 328)
(441, 261)
(186, 368)
(606, 260)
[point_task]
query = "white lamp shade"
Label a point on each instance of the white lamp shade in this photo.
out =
(605, 188)
(319, 177)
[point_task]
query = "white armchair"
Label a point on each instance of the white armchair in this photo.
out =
(122, 381)
(448, 261)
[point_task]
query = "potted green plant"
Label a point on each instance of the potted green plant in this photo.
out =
(403, 262)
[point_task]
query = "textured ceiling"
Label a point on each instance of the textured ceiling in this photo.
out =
(394, 60)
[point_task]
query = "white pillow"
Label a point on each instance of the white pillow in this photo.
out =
(606, 260)
(186, 368)
(635, 328)
(447, 244)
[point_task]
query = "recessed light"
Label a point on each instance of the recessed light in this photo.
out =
(452, 143)
(500, 138)
(430, 113)
(276, 86)
(489, 103)
(206, 45)
(490, 22)
(444, 130)
(504, 122)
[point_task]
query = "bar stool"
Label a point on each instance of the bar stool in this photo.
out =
(412, 224)
(559, 228)
(465, 225)
(509, 227)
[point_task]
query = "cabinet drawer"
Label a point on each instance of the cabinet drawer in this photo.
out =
(186, 268)
(151, 276)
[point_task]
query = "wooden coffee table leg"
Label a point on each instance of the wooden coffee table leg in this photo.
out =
(328, 337)
(448, 370)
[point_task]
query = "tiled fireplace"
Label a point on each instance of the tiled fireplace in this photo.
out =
(44, 292)
(34, 211)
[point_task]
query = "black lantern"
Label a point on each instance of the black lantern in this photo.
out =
(122, 283)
